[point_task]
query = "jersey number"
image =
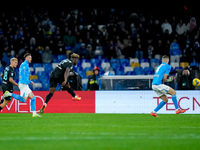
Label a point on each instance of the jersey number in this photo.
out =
(159, 68)
(5, 75)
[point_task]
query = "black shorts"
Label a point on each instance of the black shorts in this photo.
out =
(54, 82)
(7, 88)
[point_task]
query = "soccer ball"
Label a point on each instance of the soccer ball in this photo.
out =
(196, 82)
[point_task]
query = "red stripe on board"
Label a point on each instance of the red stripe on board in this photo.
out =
(61, 102)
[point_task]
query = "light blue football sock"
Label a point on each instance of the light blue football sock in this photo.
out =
(160, 105)
(18, 97)
(33, 105)
(174, 99)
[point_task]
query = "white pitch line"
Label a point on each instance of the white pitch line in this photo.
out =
(116, 137)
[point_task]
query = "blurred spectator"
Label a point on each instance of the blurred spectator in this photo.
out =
(158, 48)
(175, 48)
(90, 52)
(150, 50)
(184, 79)
(110, 52)
(181, 27)
(47, 56)
(186, 54)
(82, 51)
(36, 55)
(6, 58)
(139, 52)
(69, 39)
(166, 26)
(128, 51)
(94, 82)
(192, 25)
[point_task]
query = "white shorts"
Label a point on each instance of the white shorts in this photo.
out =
(161, 89)
(24, 90)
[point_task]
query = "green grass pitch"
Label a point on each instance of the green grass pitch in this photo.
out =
(90, 131)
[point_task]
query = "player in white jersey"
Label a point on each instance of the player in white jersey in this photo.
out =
(160, 77)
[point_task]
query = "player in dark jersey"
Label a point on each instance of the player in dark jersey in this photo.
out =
(8, 76)
(60, 75)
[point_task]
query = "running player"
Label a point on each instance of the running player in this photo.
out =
(8, 76)
(25, 91)
(160, 77)
(60, 75)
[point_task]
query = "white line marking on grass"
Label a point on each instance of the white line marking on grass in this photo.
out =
(100, 137)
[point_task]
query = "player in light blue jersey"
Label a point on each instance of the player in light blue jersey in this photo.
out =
(160, 77)
(25, 91)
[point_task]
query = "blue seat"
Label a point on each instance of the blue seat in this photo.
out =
(154, 60)
(36, 80)
(42, 75)
(100, 57)
(143, 60)
(178, 68)
(84, 60)
(76, 68)
(148, 70)
(139, 71)
(45, 86)
(94, 60)
(82, 73)
(130, 73)
(37, 65)
(61, 57)
(114, 60)
(84, 87)
(55, 59)
(119, 72)
(195, 64)
(104, 60)
(124, 62)
(47, 67)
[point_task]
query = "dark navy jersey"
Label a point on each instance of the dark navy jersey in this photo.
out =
(8, 72)
(59, 70)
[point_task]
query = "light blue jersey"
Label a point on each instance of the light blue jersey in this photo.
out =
(24, 73)
(161, 70)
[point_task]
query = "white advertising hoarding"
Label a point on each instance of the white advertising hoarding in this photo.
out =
(144, 102)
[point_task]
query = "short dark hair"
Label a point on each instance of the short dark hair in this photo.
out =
(165, 56)
(27, 54)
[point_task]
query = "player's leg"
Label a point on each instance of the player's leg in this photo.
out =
(32, 98)
(7, 99)
(5, 102)
(161, 91)
(18, 97)
(174, 99)
(160, 105)
(71, 91)
(53, 85)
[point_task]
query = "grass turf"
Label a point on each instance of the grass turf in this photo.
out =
(82, 131)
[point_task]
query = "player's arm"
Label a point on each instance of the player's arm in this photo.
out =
(66, 74)
(2, 75)
(12, 81)
(166, 79)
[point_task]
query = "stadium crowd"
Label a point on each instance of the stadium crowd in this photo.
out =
(115, 33)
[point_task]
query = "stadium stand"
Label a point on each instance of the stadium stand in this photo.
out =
(117, 64)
